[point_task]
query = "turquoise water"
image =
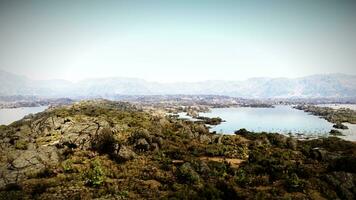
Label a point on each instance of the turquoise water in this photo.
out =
(7, 116)
(281, 119)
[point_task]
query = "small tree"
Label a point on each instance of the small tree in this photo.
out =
(104, 142)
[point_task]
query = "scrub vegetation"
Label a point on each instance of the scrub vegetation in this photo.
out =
(113, 150)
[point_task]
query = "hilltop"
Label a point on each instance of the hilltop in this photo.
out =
(113, 150)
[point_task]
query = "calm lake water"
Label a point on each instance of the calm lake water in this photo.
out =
(7, 116)
(281, 119)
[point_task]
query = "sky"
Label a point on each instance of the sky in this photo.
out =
(169, 41)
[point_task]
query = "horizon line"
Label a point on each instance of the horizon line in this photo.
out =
(168, 82)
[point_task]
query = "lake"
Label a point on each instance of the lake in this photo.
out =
(281, 119)
(9, 115)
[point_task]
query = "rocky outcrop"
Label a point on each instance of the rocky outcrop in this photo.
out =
(19, 164)
(340, 126)
(142, 145)
(125, 153)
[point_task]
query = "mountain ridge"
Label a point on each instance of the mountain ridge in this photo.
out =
(314, 86)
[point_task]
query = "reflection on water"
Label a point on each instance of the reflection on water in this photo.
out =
(281, 119)
(7, 116)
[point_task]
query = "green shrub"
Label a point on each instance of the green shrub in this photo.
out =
(187, 174)
(21, 144)
(242, 178)
(95, 176)
(241, 131)
(209, 191)
(68, 166)
(294, 184)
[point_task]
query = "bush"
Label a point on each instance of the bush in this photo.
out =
(68, 166)
(187, 174)
(210, 192)
(105, 142)
(294, 184)
(20, 144)
(95, 176)
(138, 134)
(242, 178)
(242, 131)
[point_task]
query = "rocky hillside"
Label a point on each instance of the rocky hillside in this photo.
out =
(111, 150)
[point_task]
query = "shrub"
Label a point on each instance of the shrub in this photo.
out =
(241, 131)
(242, 178)
(187, 174)
(21, 144)
(210, 192)
(95, 176)
(293, 183)
(105, 142)
(138, 134)
(67, 166)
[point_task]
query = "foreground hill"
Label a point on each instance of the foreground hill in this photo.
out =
(317, 86)
(111, 150)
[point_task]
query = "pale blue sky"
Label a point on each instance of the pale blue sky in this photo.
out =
(181, 40)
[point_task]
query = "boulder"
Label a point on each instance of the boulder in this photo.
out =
(154, 147)
(340, 126)
(158, 140)
(125, 154)
(142, 145)
(204, 139)
(335, 132)
(217, 139)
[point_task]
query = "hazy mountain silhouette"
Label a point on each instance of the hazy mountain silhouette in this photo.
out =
(331, 85)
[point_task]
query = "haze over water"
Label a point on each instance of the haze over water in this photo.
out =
(7, 116)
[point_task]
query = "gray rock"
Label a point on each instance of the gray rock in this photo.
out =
(158, 140)
(217, 138)
(142, 144)
(125, 154)
(204, 139)
(154, 147)
(20, 163)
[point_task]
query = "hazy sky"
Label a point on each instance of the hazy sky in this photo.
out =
(177, 40)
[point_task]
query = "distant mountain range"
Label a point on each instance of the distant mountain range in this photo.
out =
(316, 86)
